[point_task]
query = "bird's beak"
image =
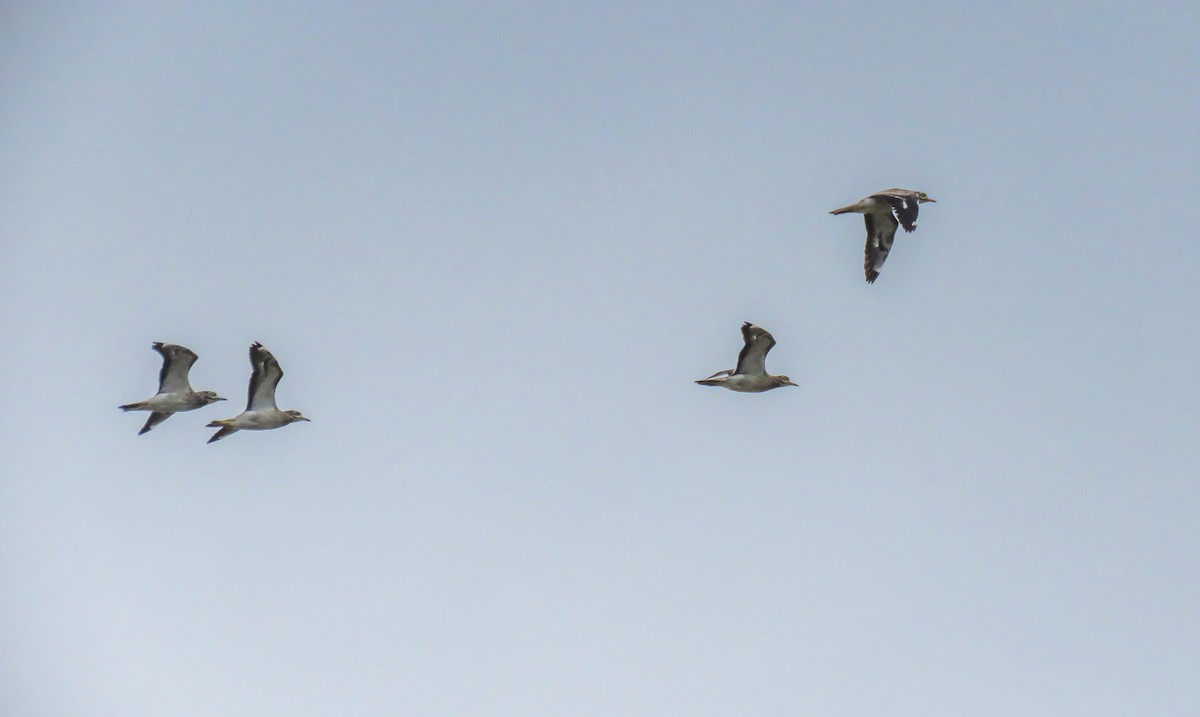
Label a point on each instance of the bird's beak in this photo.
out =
(931, 199)
(219, 398)
(789, 383)
(302, 418)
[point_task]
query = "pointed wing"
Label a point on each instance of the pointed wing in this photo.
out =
(154, 419)
(225, 431)
(904, 204)
(881, 230)
(263, 380)
(753, 357)
(177, 361)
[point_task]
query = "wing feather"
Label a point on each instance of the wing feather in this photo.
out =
(263, 379)
(154, 419)
(881, 231)
(177, 362)
(753, 357)
(905, 205)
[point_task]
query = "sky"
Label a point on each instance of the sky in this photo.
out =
(492, 246)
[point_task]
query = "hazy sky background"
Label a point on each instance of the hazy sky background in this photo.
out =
(491, 247)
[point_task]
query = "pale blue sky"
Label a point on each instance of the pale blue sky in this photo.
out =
(492, 247)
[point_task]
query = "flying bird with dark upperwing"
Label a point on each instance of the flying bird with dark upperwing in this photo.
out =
(883, 212)
(175, 393)
(751, 375)
(261, 413)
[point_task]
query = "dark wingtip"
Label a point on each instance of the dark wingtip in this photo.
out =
(145, 430)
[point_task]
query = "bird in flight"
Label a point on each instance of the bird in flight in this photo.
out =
(883, 212)
(751, 375)
(261, 413)
(175, 393)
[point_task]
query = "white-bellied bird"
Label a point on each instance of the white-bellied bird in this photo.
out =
(751, 375)
(883, 212)
(261, 413)
(175, 393)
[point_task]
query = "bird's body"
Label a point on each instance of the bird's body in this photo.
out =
(743, 383)
(169, 403)
(261, 413)
(883, 212)
(751, 375)
(175, 393)
(255, 421)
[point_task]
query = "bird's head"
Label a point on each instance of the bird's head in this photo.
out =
(922, 197)
(785, 381)
(295, 416)
(210, 397)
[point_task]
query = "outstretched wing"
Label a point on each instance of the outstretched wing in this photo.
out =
(753, 357)
(263, 380)
(881, 231)
(225, 431)
(177, 361)
(905, 206)
(154, 419)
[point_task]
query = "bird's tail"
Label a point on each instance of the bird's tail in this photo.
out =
(139, 406)
(716, 379)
